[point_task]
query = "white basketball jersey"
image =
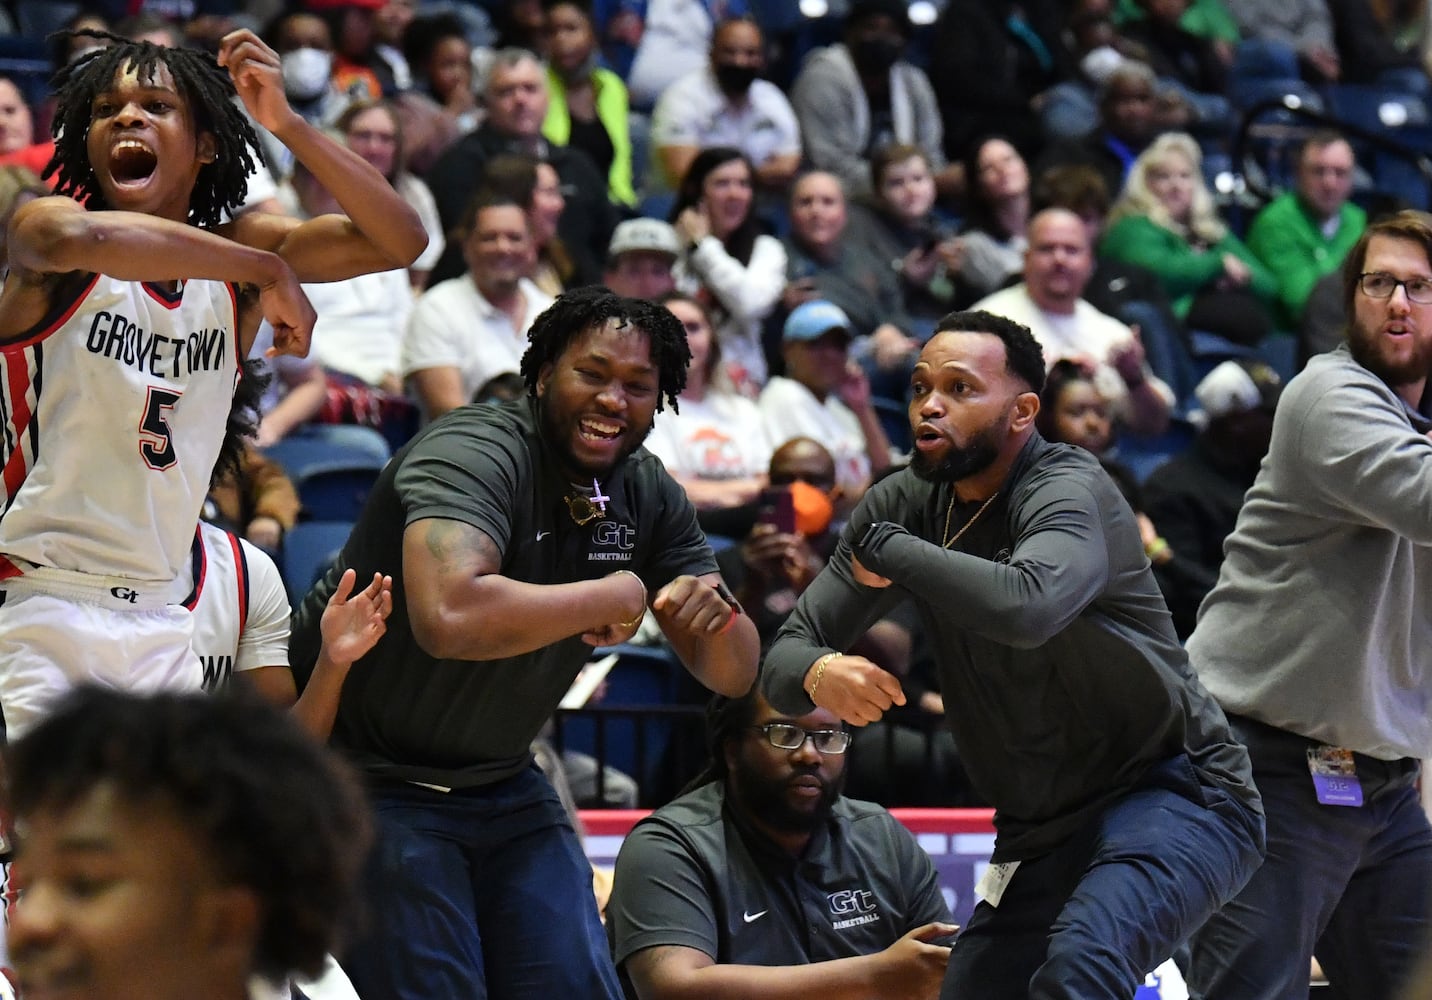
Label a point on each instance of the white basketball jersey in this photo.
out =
(239, 606)
(111, 418)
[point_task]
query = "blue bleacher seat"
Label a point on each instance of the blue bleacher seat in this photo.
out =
(336, 492)
(329, 445)
(307, 551)
(643, 676)
(38, 18)
(720, 543)
(1142, 454)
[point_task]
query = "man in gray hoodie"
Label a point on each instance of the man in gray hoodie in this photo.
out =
(859, 95)
(1317, 641)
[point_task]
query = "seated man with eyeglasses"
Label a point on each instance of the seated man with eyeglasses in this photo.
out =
(764, 881)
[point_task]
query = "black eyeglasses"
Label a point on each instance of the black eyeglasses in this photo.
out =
(1381, 285)
(784, 736)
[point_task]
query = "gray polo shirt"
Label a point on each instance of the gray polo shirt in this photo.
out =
(693, 874)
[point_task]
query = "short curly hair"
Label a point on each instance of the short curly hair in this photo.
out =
(581, 309)
(207, 90)
(1023, 357)
(281, 815)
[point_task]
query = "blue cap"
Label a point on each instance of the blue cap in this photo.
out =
(812, 320)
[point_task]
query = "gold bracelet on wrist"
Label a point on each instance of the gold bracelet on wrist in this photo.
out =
(820, 666)
(642, 613)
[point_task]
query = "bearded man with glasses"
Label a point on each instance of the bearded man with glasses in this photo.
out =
(764, 881)
(1315, 642)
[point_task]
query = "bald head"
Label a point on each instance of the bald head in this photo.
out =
(804, 459)
(1059, 260)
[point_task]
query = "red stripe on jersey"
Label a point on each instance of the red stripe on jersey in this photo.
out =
(200, 568)
(238, 347)
(8, 570)
(17, 466)
(169, 300)
(34, 338)
(241, 579)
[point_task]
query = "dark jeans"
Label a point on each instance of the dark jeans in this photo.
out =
(480, 892)
(1350, 885)
(1093, 917)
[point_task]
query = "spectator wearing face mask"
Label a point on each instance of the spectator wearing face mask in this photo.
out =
(859, 96)
(725, 103)
(305, 52)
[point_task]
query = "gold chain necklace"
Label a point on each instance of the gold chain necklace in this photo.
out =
(951, 509)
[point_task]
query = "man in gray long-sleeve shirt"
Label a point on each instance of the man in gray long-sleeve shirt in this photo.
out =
(1124, 807)
(1317, 640)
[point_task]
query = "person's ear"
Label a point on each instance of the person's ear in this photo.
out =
(544, 375)
(206, 149)
(1023, 412)
(228, 919)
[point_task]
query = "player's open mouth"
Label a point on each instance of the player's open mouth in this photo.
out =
(927, 437)
(131, 162)
(599, 430)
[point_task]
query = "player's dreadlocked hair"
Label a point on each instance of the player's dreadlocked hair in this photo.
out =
(581, 309)
(726, 720)
(243, 421)
(206, 88)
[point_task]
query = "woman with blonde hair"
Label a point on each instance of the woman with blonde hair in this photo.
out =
(1166, 221)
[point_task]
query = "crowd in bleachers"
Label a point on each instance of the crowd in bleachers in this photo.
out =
(809, 187)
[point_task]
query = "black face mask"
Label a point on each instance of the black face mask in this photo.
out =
(876, 55)
(733, 80)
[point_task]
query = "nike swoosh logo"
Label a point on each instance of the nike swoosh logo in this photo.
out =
(749, 917)
(542, 534)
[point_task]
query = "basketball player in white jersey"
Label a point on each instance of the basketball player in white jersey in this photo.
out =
(241, 630)
(241, 616)
(127, 310)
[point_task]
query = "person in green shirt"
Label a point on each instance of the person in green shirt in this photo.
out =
(1305, 233)
(1166, 222)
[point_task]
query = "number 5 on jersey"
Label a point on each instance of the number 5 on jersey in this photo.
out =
(156, 439)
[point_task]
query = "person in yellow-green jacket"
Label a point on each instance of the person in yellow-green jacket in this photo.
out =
(588, 106)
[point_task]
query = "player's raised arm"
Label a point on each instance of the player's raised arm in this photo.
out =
(381, 232)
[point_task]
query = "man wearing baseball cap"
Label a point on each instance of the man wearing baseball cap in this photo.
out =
(826, 396)
(1195, 497)
(639, 259)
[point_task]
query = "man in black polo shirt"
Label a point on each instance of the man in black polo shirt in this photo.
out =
(1125, 808)
(526, 532)
(766, 881)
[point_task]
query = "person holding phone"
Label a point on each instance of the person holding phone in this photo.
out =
(899, 227)
(791, 539)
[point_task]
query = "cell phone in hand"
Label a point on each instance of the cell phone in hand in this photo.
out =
(777, 507)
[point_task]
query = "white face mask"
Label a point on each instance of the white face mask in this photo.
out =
(1099, 64)
(306, 72)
